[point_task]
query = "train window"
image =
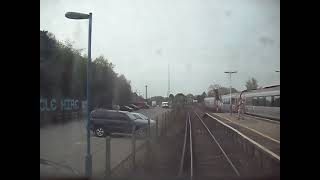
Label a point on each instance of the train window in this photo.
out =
(255, 101)
(249, 101)
(268, 101)
(261, 101)
(276, 101)
(233, 100)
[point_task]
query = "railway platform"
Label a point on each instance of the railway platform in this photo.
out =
(262, 130)
(269, 129)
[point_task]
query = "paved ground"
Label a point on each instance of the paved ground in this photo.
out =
(65, 145)
(270, 129)
(264, 133)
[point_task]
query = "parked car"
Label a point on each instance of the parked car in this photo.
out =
(134, 107)
(146, 106)
(143, 105)
(105, 122)
(165, 105)
(126, 108)
(141, 117)
(154, 103)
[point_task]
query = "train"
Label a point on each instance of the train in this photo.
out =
(263, 102)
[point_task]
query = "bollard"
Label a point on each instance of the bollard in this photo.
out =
(108, 159)
(133, 143)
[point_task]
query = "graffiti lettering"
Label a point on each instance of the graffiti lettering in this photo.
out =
(52, 104)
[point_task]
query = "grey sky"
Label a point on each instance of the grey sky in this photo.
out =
(199, 38)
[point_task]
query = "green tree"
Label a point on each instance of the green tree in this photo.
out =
(221, 90)
(171, 97)
(252, 84)
(123, 90)
(63, 74)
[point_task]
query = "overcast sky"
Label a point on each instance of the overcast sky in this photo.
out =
(200, 39)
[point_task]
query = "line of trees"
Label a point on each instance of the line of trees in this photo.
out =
(252, 84)
(221, 90)
(63, 74)
(217, 90)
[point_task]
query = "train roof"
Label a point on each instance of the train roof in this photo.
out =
(268, 90)
(271, 86)
(265, 91)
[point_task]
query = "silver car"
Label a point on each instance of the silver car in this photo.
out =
(142, 117)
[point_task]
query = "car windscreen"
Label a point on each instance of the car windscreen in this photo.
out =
(137, 116)
(143, 116)
(131, 116)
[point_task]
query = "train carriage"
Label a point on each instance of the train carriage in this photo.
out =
(262, 102)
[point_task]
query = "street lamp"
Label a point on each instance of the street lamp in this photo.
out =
(230, 72)
(75, 15)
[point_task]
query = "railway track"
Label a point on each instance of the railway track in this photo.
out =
(210, 152)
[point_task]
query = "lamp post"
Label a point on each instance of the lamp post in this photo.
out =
(230, 72)
(79, 16)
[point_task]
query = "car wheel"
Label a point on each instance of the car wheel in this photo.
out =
(99, 132)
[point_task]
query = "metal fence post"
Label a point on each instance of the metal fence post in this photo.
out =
(157, 126)
(168, 119)
(165, 124)
(149, 128)
(133, 142)
(161, 130)
(108, 157)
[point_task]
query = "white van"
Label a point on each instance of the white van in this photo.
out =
(165, 105)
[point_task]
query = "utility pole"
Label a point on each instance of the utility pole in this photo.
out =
(146, 93)
(168, 93)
